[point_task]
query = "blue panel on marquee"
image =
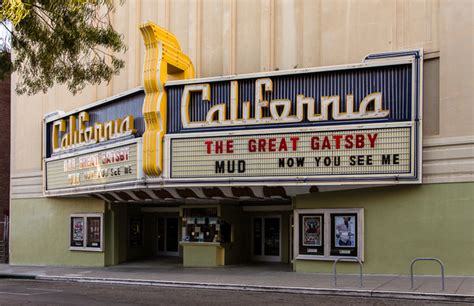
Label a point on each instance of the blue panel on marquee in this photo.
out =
(394, 82)
(131, 104)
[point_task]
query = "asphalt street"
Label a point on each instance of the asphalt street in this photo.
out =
(20, 292)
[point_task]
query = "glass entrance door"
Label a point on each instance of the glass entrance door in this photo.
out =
(168, 236)
(266, 234)
(172, 235)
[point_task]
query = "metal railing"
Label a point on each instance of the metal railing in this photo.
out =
(355, 259)
(427, 259)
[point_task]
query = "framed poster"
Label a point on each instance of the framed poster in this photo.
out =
(77, 232)
(344, 234)
(136, 231)
(93, 232)
(312, 234)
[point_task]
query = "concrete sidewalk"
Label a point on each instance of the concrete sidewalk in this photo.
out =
(271, 278)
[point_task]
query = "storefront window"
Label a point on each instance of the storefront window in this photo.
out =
(86, 232)
(203, 225)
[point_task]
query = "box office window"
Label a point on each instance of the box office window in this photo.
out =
(86, 232)
(204, 225)
(327, 234)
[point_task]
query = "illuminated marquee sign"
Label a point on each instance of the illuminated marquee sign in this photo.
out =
(344, 124)
(103, 167)
(96, 125)
(82, 135)
(321, 153)
(280, 109)
(96, 147)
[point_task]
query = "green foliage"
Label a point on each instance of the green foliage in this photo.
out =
(68, 42)
(13, 10)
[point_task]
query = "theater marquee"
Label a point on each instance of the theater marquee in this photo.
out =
(346, 124)
(351, 124)
(95, 148)
(316, 153)
(113, 165)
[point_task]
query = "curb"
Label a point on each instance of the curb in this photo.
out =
(17, 276)
(368, 293)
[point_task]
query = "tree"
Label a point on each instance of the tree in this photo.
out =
(68, 42)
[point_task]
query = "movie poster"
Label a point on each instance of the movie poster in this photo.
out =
(77, 232)
(344, 231)
(312, 230)
(311, 238)
(93, 232)
(344, 235)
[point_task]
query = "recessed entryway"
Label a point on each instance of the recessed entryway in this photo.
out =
(266, 238)
(168, 236)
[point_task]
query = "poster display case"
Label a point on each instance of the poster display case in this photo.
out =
(328, 234)
(86, 232)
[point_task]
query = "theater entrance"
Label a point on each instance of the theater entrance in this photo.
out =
(266, 238)
(168, 236)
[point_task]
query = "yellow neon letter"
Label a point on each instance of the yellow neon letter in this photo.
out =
(162, 51)
(58, 126)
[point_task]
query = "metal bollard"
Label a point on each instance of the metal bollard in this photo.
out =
(427, 259)
(355, 259)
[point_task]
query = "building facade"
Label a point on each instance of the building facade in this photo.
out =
(282, 131)
(5, 98)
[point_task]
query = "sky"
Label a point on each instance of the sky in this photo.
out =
(5, 38)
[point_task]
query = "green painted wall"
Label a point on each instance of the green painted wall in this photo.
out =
(195, 255)
(40, 232)
(285, 237)
(111, 252)
(116, 233)
(233, 215)
(405, 222)
(121, 230)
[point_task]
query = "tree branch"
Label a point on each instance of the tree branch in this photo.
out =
(47, 23)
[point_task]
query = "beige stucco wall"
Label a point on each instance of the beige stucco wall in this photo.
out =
(242, 36)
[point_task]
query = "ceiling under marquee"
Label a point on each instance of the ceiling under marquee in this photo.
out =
(205, 194)
(252, 195)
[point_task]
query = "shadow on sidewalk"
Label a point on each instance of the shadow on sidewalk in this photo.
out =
(175, 264)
